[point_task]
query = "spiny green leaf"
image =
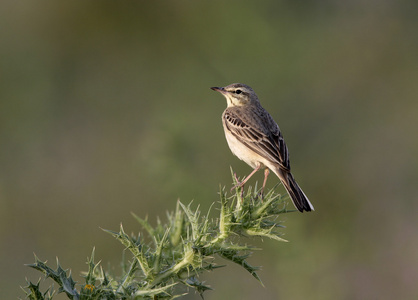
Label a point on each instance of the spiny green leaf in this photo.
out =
(128, 278)
(158, 251)
(197, 285)
(193, 218)
(241, 260)
(91, 273)
(262, 207)
(145, 224)
(155, 291)
(35, 293)
(66, 284)
(177, 223)
(264, 233)
(225, 217)
(135, 248)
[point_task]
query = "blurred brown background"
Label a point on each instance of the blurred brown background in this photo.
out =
(105, 108)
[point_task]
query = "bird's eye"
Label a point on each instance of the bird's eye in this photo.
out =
(238, 91)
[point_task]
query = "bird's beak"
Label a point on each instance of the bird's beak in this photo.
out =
(219, 89)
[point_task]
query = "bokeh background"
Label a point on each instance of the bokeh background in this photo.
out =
(105, 109)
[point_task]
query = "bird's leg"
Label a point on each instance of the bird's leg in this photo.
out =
(236, 180)
(266, 174)
(241, 184)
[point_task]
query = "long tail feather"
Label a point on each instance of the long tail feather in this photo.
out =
(298, 197)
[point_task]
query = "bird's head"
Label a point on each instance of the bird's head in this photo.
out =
(237, 94)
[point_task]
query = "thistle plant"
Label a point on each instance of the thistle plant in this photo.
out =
(167, 264)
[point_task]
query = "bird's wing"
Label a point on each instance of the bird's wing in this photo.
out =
(264, 139)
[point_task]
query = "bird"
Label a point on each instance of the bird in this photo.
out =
(255, 138)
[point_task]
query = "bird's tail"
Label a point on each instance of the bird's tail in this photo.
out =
(298, 197)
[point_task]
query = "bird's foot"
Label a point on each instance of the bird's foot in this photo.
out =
(238, 185)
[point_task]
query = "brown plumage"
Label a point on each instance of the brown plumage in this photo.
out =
(254, 137)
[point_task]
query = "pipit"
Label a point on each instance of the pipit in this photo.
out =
(255, 138)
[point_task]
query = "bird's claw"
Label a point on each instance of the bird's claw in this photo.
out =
(239, 184)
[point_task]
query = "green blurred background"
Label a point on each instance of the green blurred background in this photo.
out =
(105, 109)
